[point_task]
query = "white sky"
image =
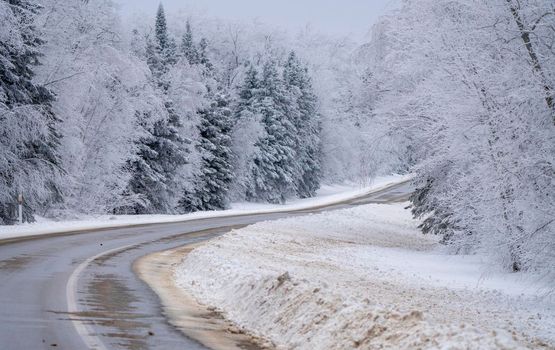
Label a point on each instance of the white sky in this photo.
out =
(328, 16)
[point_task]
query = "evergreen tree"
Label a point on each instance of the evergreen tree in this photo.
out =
(273, 172)
(170, 54)
(161, 152)
(29, 160)
(203, 56)
(210, 187)
(248, 92)
(188, 47)
(246, 130)
(161, 29)
(148, 180)
(307, 125)
(162, 53)
(155, 61)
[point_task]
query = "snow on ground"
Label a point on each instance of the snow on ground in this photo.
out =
(328, 194)
(364, 278)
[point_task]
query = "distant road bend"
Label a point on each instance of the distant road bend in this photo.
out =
(78, 291)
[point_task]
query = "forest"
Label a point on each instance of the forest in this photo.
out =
(180, 112)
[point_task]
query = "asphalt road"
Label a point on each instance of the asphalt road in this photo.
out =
(78, 291)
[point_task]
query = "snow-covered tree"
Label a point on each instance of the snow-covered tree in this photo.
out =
(274, 163)
(307, 125)
(29, 139)
(161, 29)
(99, 87)
(247, 129)
(203, 55)
(162, 151)
(458, 78)
(209, 189)
(188, 46)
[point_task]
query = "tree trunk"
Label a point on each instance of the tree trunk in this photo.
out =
(525, 35)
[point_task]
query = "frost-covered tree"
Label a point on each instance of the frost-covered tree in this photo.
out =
(99, 88)
(188, 46)
(247, 129)
(162, 151)
(203, 55)
(162, 51)
(307, 125)
(209, 188)
(29, 139)
(274, 162)
(147, 181)
(161, 29)
(459, 78)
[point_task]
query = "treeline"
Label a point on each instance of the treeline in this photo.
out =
(150, 124)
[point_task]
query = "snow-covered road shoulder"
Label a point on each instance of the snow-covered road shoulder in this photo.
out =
(363, 278)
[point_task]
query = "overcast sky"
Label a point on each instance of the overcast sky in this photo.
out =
(329, 16)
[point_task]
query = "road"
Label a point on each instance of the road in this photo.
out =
(78, 291)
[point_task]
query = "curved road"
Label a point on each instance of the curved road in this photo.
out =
(78, 291)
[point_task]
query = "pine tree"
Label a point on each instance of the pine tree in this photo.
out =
(273, 172)
(209, 190)
(29, 160)
(188, 48)
(307, 125)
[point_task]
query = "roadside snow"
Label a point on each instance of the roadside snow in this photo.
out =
(364, 278)
(326, 195)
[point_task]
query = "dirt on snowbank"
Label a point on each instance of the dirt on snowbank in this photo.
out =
(197, 321)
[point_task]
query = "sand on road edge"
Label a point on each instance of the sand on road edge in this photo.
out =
(199, 322)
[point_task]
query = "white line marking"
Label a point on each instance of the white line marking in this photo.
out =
(83, 329)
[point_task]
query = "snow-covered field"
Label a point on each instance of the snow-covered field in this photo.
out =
(328, 194)
(365, 278)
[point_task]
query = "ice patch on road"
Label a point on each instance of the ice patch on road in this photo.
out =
(364, 278)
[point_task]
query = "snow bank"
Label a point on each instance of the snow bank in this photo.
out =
(327, 195)
(363, 278)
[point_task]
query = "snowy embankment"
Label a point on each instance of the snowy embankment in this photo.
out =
(327, 195)
(364, 278)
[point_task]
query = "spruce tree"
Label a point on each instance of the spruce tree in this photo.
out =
(29, 160)
(170, 54)
(246, 129)
(161, 29)
(155, 61)
(161, 152)
(203, 56)
(188, 48)
(209, 190)
(273, 171)
(162, 52)
(307, 125)
(248, 93)
(148, 180)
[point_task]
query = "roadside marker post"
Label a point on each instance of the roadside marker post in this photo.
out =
(20, 208)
